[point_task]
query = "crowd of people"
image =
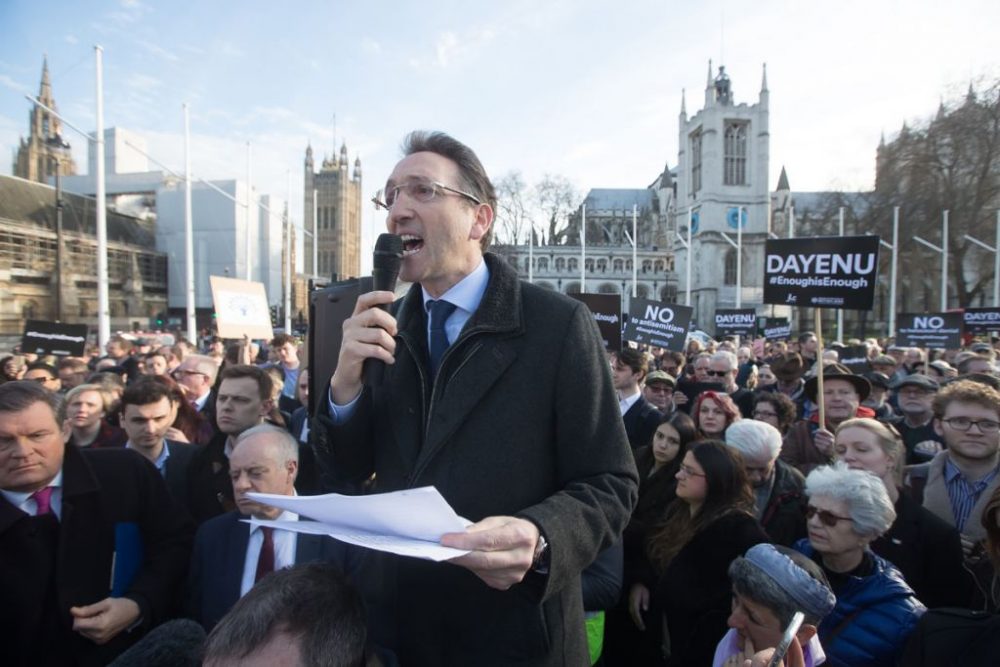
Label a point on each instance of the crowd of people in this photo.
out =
(887, 498)
(644, 507)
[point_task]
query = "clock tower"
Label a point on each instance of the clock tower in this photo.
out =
(722, 174)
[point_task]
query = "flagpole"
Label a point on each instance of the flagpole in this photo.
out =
(840, 313)
(819, 366)
(248, 198)
(944, 262)
(892, 271)
(583, 251)
(739, 257)
(192, 330)
(635, 260)
(687, 269)
(103, 306)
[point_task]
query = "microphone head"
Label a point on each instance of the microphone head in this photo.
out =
(388, 253)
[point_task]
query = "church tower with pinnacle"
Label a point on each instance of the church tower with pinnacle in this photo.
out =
(333, 196)
(722, 169)
(34, 160)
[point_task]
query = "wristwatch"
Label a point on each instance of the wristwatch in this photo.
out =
(538, 562)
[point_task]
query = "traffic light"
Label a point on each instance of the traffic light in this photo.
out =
(274, 316)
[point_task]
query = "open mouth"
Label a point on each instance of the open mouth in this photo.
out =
(411, 244)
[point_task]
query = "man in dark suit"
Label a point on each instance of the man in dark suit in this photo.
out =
(499, 394)
(628, 370)
(230, 555)
(147, 414)
(67, 517)
(243, 401)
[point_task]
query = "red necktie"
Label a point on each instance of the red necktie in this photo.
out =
(43, 499)
(265, 561)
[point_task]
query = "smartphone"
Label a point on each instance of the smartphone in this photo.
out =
(786, 639)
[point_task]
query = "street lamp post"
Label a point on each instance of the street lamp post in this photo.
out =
(57, 148)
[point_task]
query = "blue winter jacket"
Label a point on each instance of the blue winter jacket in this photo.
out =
(873, 617)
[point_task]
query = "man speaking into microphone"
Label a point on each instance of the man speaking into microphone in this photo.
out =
(499, 394)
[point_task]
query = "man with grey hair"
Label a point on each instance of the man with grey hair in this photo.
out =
(196, 376)
(770, 584)
(779, 498)
(265, 459)
(722, 368)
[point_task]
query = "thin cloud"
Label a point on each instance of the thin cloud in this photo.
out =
(159, 51)
(71, 39)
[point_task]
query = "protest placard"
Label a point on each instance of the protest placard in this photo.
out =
(56, 338)
(735, 322)
(981, 320)
(823, 271)
(855, 357)
(607, 311)
(657, 323)
(241, 308)
(933, 330)
(774, 328)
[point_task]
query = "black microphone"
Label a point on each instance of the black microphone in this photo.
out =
(386, 259)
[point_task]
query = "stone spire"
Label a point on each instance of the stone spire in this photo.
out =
(763, 80)
(783, 181)
(684, 112)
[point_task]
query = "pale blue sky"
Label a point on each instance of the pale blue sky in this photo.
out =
(583, 88)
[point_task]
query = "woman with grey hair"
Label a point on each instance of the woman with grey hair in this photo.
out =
(876, 610)
(926, 549)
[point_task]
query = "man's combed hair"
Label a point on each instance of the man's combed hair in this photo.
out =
(966, 391)
(22, 394)
(145, 391)
(313, 604)
(474, 178)
(264, 382)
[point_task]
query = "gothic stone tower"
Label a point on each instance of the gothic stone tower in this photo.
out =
(34, 161)
(722, 165)
(338, 212)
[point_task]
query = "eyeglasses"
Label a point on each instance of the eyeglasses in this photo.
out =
(760, 414)
(690, 472)
(826, 518)
(660, 388)
(964, 424)
(421, 191)
(718, 374)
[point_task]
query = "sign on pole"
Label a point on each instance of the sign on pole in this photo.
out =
(43, 337)
(933, 330)
(855, 357)
(824, 271)
(774, 328)
(607, 311)
(656, 323)
(982, 320)
(241, 308)
(735, 322)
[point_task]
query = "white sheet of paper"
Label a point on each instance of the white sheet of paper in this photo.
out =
(409, 522)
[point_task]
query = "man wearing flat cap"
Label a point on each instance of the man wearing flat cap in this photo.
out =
(659, 390)
(809, 444)
(915, 398)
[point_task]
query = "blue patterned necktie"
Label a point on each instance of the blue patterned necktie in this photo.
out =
(440, 312)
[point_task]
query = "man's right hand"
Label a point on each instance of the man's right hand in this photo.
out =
(368, 334)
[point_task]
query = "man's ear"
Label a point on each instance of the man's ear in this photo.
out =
(481, 225)
(266, 407)
(937, 427)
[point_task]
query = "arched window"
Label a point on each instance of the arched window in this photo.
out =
(730, 272)
(618, 265)
(647, 266)
(560, 264)
(602, 265)
(572, 264)
(543, 263)
(642, 291)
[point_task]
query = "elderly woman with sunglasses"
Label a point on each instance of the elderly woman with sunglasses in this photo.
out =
(926, 549)
(876, 610)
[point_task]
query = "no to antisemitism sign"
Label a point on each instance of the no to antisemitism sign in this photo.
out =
(934, 330)
(824, 271)
(656, 323)
(735, 322)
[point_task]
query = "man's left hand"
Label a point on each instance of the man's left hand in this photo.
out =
(502, 549)
(102, 621)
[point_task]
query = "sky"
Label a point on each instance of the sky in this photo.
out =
(580, 88)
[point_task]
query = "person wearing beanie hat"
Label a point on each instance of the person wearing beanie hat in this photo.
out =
(770, 584)
(810, 444)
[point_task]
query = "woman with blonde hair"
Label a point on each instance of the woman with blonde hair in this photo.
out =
(925, 548)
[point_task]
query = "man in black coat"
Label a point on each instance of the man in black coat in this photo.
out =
(147, 414)
(71, 523)
(628, 370)
(500, 396)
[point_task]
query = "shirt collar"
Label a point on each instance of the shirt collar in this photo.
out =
(467, 292)
(286, 515)
(951, 471)
(18, 498)
(161, 460)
